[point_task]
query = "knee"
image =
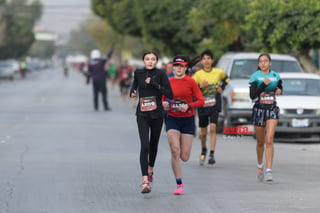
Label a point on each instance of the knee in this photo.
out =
(269, 141)
(213, 130)
(203, 133)
(260, 142)
(175, 151)
(144, 149)
(184, 158)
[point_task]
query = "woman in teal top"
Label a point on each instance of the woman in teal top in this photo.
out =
(265, 84)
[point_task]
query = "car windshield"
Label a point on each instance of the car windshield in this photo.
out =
(245, 67)
(308, 87)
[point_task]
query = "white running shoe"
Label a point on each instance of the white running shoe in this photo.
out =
(268, 176)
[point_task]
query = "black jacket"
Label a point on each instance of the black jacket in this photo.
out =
(96, 69)
(159, 85)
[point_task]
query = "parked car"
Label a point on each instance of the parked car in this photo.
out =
(236, 103)
(8, 68)
(299, 106)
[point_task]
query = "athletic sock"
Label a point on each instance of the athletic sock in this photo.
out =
(179, 181)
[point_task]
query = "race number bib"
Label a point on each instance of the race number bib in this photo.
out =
(148, 103)
(209, 101)
(175, 104)
(267, 98)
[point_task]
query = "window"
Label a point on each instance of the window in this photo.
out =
(308, 87)
(242, 69)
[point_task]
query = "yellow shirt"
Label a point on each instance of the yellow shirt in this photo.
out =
(214, 78)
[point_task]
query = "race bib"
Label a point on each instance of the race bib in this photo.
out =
(267, 98)
(209, 101)
(148, 103)
(175, 104)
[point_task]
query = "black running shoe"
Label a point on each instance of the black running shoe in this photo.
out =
(211, 160)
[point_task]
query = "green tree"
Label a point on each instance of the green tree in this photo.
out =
(285, 26)
(165, 25)
(161, 24)
(42, 49)
(80, 39)
(95, 33)
(120, 15)
(19, 17)
(219, 23)
(2, 22)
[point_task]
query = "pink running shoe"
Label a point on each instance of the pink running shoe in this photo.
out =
(150, 178)
(178, 190)
(145, 187)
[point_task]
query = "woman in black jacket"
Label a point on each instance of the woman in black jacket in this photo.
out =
(151, 83)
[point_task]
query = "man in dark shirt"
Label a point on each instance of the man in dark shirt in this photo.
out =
(97, 72)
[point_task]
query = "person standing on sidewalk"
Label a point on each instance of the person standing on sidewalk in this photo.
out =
(265, 84)
(180, 124)
(212, 82)
(96, 71)
(152, 84)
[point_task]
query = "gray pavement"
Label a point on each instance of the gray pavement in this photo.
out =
(57, 155)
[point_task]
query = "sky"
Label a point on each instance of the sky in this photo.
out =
(62, 16)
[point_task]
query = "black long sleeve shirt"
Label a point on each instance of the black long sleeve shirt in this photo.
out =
(159, 85)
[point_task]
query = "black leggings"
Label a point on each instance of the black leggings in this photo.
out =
(149, 142)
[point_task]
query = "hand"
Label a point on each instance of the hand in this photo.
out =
(204, 84)
(183, 108)
(266, 81)
(219, 90)
(165, 105)
(148, 79)
(278, 91)
(133, 94)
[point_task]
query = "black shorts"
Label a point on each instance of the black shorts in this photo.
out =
(205, 119)
(261, 115)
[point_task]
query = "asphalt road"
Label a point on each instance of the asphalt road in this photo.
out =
(57, 155)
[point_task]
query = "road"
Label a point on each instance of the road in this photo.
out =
(57, 155)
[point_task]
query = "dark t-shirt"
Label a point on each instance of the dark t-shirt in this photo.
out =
(96, 69)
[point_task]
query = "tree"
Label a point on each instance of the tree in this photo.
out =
(165, 25)
(219, 23)
(161, 24)
(95, 33)
(80, 40)
(290, 26)
(19, 17)
(2, 22)
(119, 14)
(42, 49)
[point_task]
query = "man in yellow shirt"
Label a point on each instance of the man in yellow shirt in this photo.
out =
(211, 81)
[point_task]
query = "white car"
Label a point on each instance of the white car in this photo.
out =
(8, 68)
(299, 106)
(236, 103)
